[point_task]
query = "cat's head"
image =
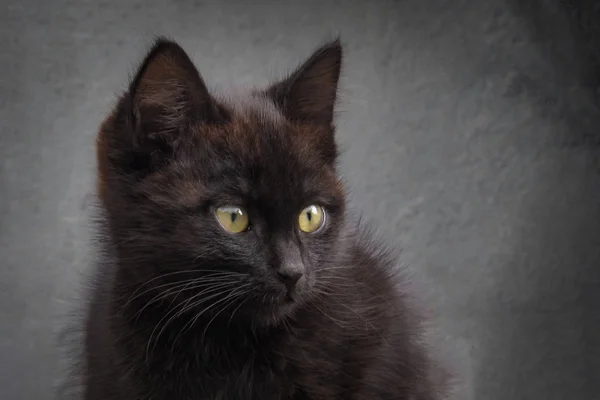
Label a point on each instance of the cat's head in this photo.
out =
(237, 198)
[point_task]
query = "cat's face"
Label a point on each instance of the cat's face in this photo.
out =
(226, 205)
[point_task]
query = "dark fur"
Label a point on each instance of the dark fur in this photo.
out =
(168, 155)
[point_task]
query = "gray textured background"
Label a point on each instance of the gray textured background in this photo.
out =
(470, 137)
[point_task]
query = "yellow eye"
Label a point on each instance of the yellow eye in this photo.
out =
(311, 218)
(233, 219)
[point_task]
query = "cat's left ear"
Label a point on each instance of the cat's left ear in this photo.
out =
(167, 94)
(309, 93)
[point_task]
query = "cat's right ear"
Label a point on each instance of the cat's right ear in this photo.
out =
(309, 93)
(166, 96)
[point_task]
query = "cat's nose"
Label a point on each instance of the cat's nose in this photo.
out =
(290, 275)
(288, 263)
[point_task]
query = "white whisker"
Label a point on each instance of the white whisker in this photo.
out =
(232, 294)
(185, 306)
(216, 273)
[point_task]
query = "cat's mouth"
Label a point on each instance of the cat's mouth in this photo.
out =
(294, 293)
(284, 301)
(284, 298)
(291, 296)
(279, 301)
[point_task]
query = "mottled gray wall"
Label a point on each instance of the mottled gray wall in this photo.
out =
(470, 137)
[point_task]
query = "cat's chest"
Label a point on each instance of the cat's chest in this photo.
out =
(286, 372)
(280, 365)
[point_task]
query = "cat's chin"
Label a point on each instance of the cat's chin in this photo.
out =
(278, 310)
(276, 315)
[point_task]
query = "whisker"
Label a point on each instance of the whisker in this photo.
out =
(336, 283)
(185, 306)
(190, 323)
(328, 316)
(180, 283)
(236, 309)
(365, 321)
(197, 283)
(184, 286)
(337, 268)
(217, 273)
(232, 294)
(193, 321)
(353, 283)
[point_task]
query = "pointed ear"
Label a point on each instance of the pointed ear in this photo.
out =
(309, 93)
(167, 94)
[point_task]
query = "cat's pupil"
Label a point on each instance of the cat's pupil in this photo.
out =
(233, 217)
(309, 216)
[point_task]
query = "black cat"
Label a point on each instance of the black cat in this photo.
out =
(231, 268)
